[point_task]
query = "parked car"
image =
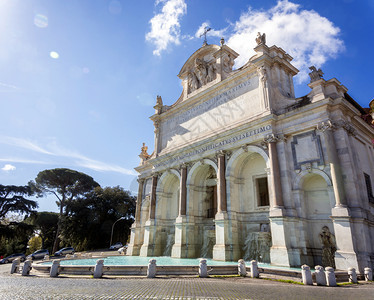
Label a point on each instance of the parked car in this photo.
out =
(116, 246)
(12, 257)
(64, 251)
(38, 254)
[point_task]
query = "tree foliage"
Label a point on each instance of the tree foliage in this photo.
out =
(67, 185)
(89, 222)
(45, 224)
(12, 200)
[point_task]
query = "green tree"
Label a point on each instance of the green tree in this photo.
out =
(92, 218)
(12, 200)
(46, 225)
(67, 185)
(35, 243)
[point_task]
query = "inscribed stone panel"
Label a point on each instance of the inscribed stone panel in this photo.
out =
(212, 115)
(306, 148)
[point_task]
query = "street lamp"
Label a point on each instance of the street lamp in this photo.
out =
(111, 236)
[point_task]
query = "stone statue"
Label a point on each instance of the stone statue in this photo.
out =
(315, 74)
(211, 72)
(261, 39)
(228, 63)
(327, 240)
(262, 73)
(144, 152)
(193, 83)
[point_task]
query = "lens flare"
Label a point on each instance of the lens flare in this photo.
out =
(54, 54)
(41, 21)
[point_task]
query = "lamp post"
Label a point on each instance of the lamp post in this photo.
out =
(111, 236)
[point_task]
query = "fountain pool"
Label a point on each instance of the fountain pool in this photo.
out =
(161, 261)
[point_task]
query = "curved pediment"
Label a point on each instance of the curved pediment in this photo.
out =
(205, 53)
(209, 64)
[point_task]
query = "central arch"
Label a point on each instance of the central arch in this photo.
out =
(202, 206)
(248, 199)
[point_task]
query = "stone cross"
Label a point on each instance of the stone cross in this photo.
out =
(206, 29)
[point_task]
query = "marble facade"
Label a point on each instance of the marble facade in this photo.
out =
(243, 169)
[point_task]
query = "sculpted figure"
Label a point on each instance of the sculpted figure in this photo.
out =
(315, 74)
(327, 240)
(211, 72)
(228, 63)
(193, 83)
(144, 151)
(262, 73)
(260, 39)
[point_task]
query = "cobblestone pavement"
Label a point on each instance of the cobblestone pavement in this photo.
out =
(36, 287)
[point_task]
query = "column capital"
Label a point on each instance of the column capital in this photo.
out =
(140, 180)
(273, 138)
(326, 125)
(184, 165)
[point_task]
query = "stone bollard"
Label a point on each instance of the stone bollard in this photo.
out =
(151, 271)
(352, 275)
(26, 268)
(89, 255)
(102, 254)
(54, 268)
(15, 266)
(241, 268)
(368, 274)
(320, 275)
(307, 275)
(254, 269)
(203, 268)
(330, 277)
(98, 272)
(68, 256)
(46, 257)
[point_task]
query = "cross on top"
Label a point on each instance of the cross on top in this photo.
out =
(206, 29)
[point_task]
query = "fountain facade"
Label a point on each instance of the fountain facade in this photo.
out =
(238, 150)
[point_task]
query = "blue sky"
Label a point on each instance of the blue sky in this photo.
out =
(78, 78)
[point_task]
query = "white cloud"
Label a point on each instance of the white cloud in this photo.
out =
(55, 150)
(307, 36)
(8, 167)
(212, 32)
(165, 26)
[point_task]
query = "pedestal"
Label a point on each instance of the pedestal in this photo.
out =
(345, 256)
(223, 249)
(180, 248)
(136, 240)
(149, 247)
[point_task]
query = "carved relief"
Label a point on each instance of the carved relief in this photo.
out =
(202, 73)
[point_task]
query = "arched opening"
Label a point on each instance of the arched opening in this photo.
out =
(318, 228)
(249, 201)
(202, 207)
(166, 211)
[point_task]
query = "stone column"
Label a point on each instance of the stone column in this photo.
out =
(136, 237)
(152, 210)
(275, 182)
(149, 247)
(221, 192)
(180, 248)
(183, 191)
(222, 250)
(139, 200)
(335, 168)
(281, 230)
(346, 254)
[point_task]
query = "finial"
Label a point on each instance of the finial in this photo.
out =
(222, 41)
